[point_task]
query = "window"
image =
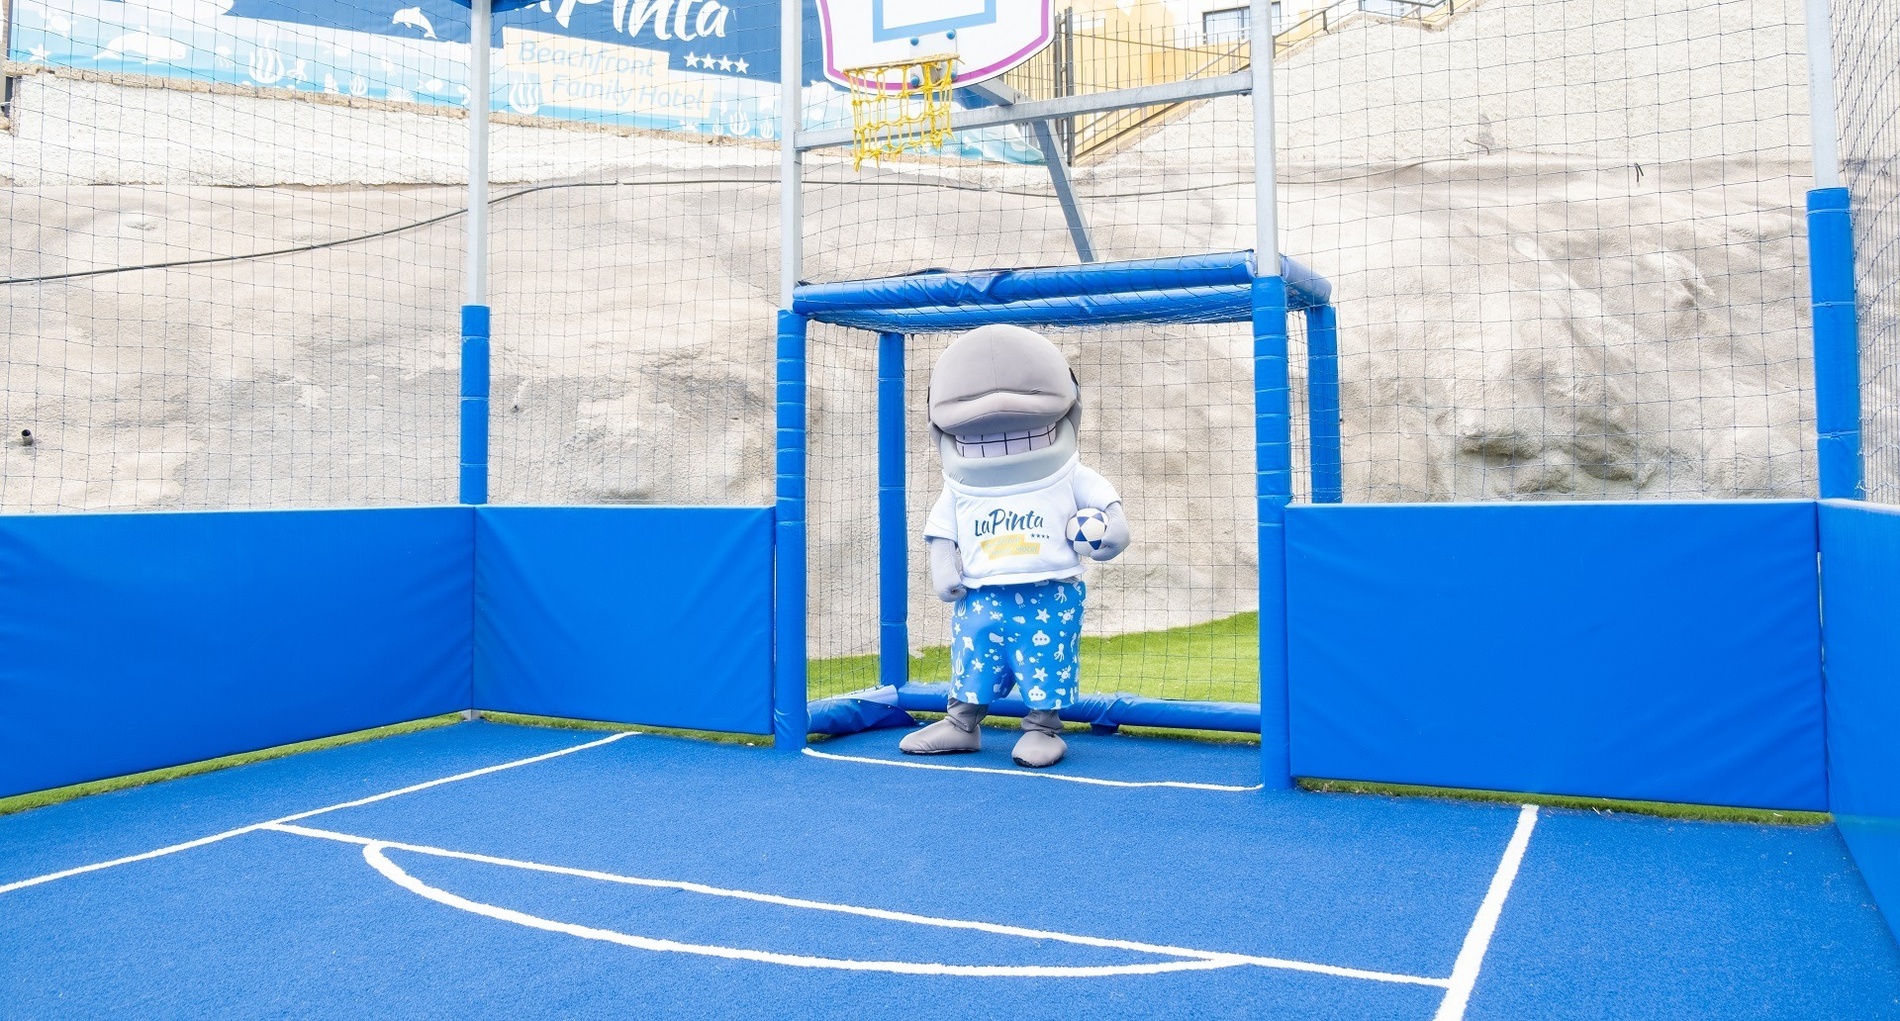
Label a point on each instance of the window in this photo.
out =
(1229, 24)
(1394, 8)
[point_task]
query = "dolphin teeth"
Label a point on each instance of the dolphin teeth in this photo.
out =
(1000, 444)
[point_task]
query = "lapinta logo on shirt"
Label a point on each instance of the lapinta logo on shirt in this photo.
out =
(1001, 520)
(1015, 544)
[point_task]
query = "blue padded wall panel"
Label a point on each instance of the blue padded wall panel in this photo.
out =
(1652, 651)
(1860, 590)
(135, 641)
(655, 615)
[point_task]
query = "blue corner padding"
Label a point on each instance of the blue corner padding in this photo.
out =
(1650, 651)
(655, 615)
(1860, 588)
(136, 641)
(875, 709)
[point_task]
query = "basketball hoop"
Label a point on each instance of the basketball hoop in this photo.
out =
(901, 107)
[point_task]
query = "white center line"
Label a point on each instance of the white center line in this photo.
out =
(240, 831)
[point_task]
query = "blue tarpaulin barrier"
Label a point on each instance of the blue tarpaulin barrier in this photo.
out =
(655, 615)
(1860, 587)
(137, 641)
(1650, 651)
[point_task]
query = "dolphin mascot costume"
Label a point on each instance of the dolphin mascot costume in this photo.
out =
(1004, 408)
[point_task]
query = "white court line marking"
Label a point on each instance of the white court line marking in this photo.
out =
(1190, 960)
(240, 831)
(1183, 784)
(1464, 973)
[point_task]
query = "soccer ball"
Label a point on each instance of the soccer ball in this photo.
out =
(1088, 530)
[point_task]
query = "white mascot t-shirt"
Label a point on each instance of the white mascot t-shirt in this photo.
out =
(1008, 535)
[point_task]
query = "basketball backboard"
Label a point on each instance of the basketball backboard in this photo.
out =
(988, 36)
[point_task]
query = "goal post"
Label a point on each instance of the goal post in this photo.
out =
(855, 323)
(1223, 288)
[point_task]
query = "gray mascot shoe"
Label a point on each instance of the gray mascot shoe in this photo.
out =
(1041, 744)
(958, 731)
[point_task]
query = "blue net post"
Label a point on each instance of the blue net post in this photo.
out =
(1836, 344)
(474, 456)
(1273, 466)
(893, 593)
(790, 721)
(1322, 401)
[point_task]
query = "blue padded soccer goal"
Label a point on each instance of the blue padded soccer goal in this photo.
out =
(1212, 290)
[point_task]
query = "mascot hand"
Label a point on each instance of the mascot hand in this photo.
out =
(946, 570)
(1117, 538)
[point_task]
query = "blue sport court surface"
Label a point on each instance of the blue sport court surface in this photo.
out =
(491, 871)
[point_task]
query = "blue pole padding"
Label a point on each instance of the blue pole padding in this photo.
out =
(893, 553)
(474, 458)
(1322, 402)
(1008, 286)
(1273, 466)
(789, 721)
(1836, 344)
(1050, 286)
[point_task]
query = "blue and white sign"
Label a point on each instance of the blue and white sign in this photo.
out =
(706, 67)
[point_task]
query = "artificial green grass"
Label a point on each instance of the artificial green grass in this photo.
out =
(564, 723)
(1601, 806)
(1218, 661)
(40, 799)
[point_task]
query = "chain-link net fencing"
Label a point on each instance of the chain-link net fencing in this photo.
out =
(1567, 254)
(236, 240)
(211, 297)
(1867, 90)
(1567, 246)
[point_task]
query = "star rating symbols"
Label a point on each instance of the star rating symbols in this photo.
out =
(709, 62)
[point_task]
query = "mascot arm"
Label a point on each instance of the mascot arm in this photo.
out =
(946, 570)
(1118, 537)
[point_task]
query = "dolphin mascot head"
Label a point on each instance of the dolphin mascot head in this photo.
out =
(1004, 407)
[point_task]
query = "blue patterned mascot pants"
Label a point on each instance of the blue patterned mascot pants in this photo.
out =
(1005, 635)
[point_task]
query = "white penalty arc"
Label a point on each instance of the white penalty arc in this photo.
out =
(375, 852)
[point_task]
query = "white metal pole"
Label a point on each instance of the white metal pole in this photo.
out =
(791, 161)
(1821, 121)
(1267, 240)
(478, 54)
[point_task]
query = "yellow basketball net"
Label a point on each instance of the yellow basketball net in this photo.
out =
(896, 108)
